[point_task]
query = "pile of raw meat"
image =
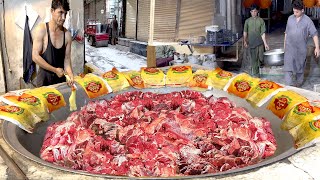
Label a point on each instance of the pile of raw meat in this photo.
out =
(148, 134)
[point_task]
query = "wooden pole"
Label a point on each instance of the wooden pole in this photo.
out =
(151, 50)
(137, 19)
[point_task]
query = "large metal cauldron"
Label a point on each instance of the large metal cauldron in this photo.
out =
(274, 57)
(29, 145)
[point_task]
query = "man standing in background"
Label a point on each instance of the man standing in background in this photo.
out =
(114, 30)
(52, 47)
(299, 28)
(255, 39)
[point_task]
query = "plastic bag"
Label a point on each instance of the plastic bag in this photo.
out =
(219, 78)
(116, 80)
(26, 101)
(305, 133)
(284, 101)
(3, 103)
(134, 79)
(93, 85)
(178, 76)
(73, 96)
(153, 77)
(51, 97)
(72, 99)
(200, 80)
(79, 37)
(242, 84)
(19, 116)
(301, 113)
(263, 92)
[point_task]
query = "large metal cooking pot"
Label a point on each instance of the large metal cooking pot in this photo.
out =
(274, 57)
(29, 145)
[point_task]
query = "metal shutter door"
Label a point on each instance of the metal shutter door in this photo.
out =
(195, 15)
(143, 20)
(86, 13)
(101, 5)
(131, 13)
(165, 20)
(92, 11)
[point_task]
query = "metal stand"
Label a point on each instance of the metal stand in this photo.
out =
(191, 45)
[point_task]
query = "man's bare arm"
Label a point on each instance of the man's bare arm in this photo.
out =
(316, 43)
(263, 36)
(284, 41)
(67, 59)
(245, 39)
(37, 50)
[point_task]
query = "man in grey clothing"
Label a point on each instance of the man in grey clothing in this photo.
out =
(299, 28)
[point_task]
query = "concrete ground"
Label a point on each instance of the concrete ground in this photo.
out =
(104, 58)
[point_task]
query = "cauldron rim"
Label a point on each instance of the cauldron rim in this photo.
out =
(9, 132)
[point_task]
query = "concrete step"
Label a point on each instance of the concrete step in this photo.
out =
(124, 41)
(139, 48)
(122, 48)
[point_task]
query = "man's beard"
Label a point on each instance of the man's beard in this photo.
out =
(60, 23)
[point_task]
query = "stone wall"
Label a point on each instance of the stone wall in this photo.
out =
(14, 38)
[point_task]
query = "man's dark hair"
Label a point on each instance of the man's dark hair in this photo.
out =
(254, 7)
(60, 3)
(297, 4)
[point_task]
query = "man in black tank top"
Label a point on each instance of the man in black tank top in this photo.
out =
(52, 47)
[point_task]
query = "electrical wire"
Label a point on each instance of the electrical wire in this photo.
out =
(2, 60)
(4, 36)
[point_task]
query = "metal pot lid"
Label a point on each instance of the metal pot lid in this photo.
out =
(274, 52)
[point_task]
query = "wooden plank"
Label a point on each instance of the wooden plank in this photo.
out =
(151, 56)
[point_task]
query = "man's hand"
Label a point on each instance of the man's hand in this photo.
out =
(266, 47)
(245, 44)
(70, 80)
(316, 52)
(59, 72)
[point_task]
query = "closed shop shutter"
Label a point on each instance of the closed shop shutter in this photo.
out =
(101, 5)
(131, 13)
(86, 13)
(92, 11)
(195, 15)
(143, 20)
(165, 20)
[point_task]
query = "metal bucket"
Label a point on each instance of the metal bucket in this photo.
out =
(29, 145)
